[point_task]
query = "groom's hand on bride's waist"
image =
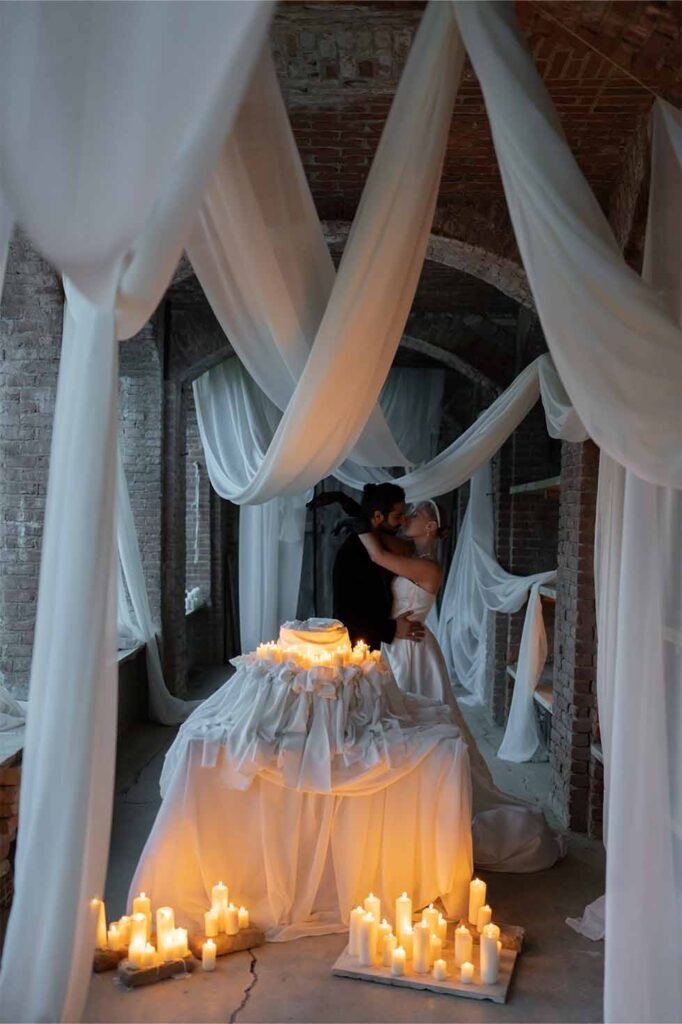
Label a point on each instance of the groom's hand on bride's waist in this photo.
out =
(407, 628)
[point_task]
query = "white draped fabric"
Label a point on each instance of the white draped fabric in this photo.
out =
(638, 562)
(110, 122)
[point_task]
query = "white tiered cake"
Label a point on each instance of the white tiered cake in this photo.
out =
(313, 636)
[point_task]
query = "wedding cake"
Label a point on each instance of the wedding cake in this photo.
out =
(312, 636)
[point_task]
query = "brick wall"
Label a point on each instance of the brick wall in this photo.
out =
(30, 335)
(198, 512)
(575, 636)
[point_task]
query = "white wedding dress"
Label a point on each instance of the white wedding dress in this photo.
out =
(508, 834)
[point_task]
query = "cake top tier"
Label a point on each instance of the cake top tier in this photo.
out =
(314, 636)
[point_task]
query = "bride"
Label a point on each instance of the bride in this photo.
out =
(508, 834)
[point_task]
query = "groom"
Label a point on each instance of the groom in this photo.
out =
(362, 590)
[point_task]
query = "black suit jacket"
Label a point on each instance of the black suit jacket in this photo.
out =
(362, 595)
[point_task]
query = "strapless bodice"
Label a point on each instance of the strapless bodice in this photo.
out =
(410, 596)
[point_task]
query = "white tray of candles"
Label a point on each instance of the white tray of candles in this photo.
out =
(142, 956)
(470, 959)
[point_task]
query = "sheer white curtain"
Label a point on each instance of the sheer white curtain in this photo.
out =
(111, 117)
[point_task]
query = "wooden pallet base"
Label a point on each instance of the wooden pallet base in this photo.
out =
(246, 938)
(348, 967)
(135, 977)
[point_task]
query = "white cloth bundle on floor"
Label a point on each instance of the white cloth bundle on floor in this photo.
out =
(303, 802)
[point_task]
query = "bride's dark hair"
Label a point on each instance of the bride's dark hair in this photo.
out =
(381, 498)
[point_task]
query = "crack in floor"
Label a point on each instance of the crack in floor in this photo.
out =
(249, 988)
(122, 793)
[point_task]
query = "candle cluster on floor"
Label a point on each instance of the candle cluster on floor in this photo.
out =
(305, 656)
(133, 934)
(420, 946)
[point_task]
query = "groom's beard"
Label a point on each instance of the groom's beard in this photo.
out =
(392, 530)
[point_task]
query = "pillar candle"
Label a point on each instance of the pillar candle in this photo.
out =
(136, 953)
(492, 930)
(421, 960)
(389, 944)
(231, 920)
(143, 905)
(430, 915)
(183, 948)
(483, 917)
(356, 917)
(435, 947)
(466, 974)
(243, 917)
(101, 934)
(403, 915)
(219, 897)
(383, 930)
(148, 955)
(442, 928)
(208, 955)
(138, 929)
(373, 906)
(490, 959)
(398, 962)
(114, 938)
(477, 891)
(211, 923)
(367, 941)
(165, 923)
(463, 945)
(406, 940)
(124, 927)
(440, 970)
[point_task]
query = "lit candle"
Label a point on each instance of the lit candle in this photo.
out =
(114, 938)
(398, 962)
(373, 906)
(463, 945)
(165, 923)
(356, 917)
(389, 944)
(148, 955)
(490, 958)
(367, 944)
(143, 905)
(435, 947)
(442, 928)
(124, 927)
(211, 923)
(138, 929)
(477, 891)
(421, 960)
(403, 915)
(101, 935)
(440, 970)
(383, 930)
(466, 973)
(136, 952)
(430, 915)
(407, 941)
(181, 938)
(231, 917)
(493, 930)
(243, 917)
(208, 955)
(219, 900)
(483, 917)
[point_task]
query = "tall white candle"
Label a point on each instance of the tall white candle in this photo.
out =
(383, 930)
(136, 953)
(406, 940)
(490, 959)
(138, 929)
(466, 973)
(212, 923)
(442, 928)
(208, 955)
(373, 906)
(477, 891)
(430, 915)
(101, 934)
(403, 915)
(165, 923)
(143, 905)
(440, 970)
(243, 917)
(435, 948)
(398, 962)
(231, 918)
(421, 953)
(463, 945)
(388, 945)
(219, 902)
(483, 917)
(124, 927)
(114, 937)
(356, 917)
(367, 940)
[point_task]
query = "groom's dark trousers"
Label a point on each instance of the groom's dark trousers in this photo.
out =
(362, 595)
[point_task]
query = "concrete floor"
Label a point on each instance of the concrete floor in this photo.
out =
(558, 977)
